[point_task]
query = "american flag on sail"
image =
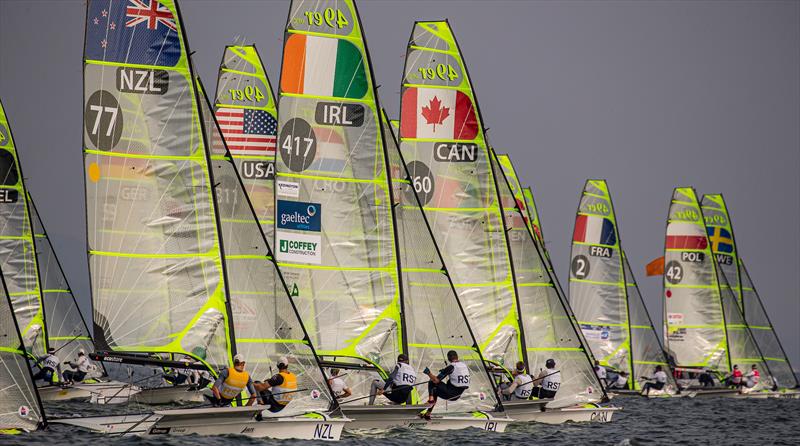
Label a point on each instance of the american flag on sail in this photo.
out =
(248, 132)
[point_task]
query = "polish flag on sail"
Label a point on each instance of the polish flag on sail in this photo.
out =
(437, 113)
(681, 235)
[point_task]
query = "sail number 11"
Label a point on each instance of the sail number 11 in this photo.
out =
(331, 17)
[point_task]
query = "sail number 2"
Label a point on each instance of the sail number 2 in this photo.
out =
(330, 16)
(442, 71)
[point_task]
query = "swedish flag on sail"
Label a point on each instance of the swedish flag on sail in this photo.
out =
(720, 238)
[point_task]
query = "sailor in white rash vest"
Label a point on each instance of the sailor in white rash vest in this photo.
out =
(49, 367)
(80, 366)
(521, 388)
(660, 378)
(549, 381)
(398, 385)
(457, 374)
(339, 387)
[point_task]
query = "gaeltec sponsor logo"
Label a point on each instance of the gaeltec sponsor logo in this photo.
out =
(299, 215)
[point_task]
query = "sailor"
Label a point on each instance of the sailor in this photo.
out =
(49, 367)
(660, 378)
(621, 381)
(601, 373)
(81, 366)
(706, 379)
(457, 374)
(398, 385)
(521, 388)
(175, 376)
(278, 390)
(548, 382)
(231, 382)
(735, 378)
(338, 386)
(752, 377)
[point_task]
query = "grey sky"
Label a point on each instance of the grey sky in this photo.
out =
(647, 95)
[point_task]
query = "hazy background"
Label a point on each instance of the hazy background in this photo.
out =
(648, 95)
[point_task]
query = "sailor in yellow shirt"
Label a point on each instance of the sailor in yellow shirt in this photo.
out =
(277, 392)
(231, 382)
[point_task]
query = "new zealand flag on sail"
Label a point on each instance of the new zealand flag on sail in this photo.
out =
(132, 31)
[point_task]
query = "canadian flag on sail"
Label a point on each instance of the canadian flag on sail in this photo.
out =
(437, 113)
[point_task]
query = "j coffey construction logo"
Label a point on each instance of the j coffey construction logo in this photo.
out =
(301, 248)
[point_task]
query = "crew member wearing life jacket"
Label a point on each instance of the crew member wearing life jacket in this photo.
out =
(457, 374)
(752, 377)
(620, 382)
(735, 378)
(278, 391)
(548, 381)
(521, 388)
(80, 366)
(49, 367)
(398, 385)
(338, 386)
(659, 380)
(232, 382)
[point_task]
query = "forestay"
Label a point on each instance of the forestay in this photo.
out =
(17, 249)
(20, 407)
(719, 228)
(435, 320)
(67, 331)
(704, 326)
(444, 146)
(334, 228)
(155, 257)
(246, 111)
(549, 329)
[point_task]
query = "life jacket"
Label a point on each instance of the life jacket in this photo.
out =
(552, 380)
(234, 384)
(405, 375)
(524, 390)
(459, 377)
(737, 376)
(289, 384)
(755, 376)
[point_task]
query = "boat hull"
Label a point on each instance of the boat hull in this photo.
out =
(575, 415)
(214, 421)
(386, 417)
(183, 394)
(110, 392)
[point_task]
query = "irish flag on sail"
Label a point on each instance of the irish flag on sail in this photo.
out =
(437, 113)
(343, 76)
(682, 235)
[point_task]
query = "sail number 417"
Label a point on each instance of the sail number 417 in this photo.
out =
(331, 17)
(442, 71)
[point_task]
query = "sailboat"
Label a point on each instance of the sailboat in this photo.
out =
(40, 295)
(719, 228)
(443, 144)
(550, 321)
(341, 230)
(20, 407)
(176, 253)
(704, 326)
(606, 299)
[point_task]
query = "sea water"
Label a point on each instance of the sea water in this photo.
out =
(717, 420)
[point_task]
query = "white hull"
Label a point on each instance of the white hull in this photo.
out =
(110, 392)
(215, 421)
(386, 417)
(183, 394)
(524, 411)
(575, 415)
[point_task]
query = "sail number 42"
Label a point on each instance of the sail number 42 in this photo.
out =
(442, 71)
(331, 17)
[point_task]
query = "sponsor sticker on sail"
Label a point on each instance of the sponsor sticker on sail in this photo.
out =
(287, 188)
(437, 113)
(300, 248)
(674, 318)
